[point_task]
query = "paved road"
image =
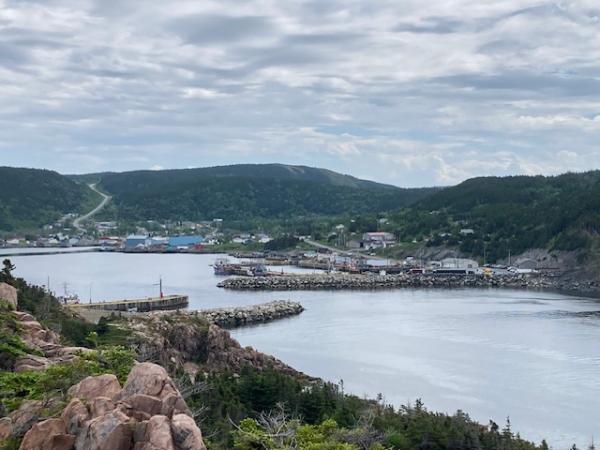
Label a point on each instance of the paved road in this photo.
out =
(105, 199)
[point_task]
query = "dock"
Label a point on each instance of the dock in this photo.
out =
(166, 302)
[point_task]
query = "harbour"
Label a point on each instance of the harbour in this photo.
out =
(453, 348)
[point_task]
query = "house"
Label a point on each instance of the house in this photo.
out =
(264, 238)
(377, 239)
(466, 231)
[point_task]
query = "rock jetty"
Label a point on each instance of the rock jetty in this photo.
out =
(248, 315)
(371, 281)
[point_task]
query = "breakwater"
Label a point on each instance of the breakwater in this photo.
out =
(253, 314)
(371, 281)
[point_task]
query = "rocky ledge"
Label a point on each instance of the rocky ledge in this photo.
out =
(347, 281)
(44, 344)
(148, 413)
(248, 315)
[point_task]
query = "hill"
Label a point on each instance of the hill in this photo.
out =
(249, 191)
(510, 214)
(30, 198)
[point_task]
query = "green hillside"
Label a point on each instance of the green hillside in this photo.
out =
(510, 214)
(31, 198)
(250, 191)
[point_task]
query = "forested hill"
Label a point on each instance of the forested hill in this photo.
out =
(512, 213)
(250, 191)
(30, 198)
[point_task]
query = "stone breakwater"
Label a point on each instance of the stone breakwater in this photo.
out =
(345, 281)
(248, 315)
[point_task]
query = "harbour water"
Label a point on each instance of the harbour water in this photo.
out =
(531, 356)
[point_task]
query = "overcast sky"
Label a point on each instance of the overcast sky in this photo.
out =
(412, 93)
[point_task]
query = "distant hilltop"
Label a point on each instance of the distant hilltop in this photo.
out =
(246, 191)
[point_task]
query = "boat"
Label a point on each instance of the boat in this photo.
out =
(223, 267)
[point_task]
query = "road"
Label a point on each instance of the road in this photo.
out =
(348, 252)
(105, 199)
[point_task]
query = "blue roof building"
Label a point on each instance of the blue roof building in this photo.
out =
(185, 241)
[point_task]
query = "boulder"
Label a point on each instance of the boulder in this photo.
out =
(157, 435)
(145, 403)
(31, 363)
(48, 435)
(26, 416)
(33, 333)
(101, 386)
(113, 431)
(6, 428)
(148, 379)
(75, 415)
(100, 406)
(174, 403)
(186, 434)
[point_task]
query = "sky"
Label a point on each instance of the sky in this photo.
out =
(405, 92)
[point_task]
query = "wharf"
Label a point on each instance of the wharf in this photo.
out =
(166, 302)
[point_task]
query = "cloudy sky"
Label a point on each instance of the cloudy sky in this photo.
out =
(403, 91)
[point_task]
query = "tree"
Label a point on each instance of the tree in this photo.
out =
(6, 273)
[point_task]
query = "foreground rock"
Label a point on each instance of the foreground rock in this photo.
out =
(148, 413)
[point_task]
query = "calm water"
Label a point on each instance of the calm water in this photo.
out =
(494, 353)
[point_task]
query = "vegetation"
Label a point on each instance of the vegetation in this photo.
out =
(269, 410)
(30, 198)
(506, 215)
(285, 242)
(54, 382)
(245, 192)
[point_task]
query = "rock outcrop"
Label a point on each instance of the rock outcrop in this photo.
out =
(147, 413)
(187, 340)
(9, 293)
(44, 344)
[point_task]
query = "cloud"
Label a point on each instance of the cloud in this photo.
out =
(392, 91)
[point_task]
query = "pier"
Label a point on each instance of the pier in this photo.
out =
(166, 302)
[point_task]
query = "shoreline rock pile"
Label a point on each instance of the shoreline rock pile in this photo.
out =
(371, 281)
(148, 413)
(248, 315)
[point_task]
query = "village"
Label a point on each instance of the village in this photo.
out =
(338, 251)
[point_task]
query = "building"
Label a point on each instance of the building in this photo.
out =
(134, 241)
(456, 266)
(185, 242)
(467, 231)
(377, 239)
